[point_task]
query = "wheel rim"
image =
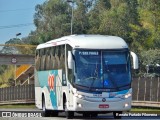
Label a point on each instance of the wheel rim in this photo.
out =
(65, 106)
(43, 106)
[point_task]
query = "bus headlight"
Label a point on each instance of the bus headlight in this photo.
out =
(127, 95)
(79, 96)
(79, 105)
(126, 105)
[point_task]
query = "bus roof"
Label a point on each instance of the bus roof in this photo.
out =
(88, 42)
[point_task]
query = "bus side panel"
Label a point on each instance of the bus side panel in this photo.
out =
(38, 92)
(50, 83)
(59, 92)
(38, 97)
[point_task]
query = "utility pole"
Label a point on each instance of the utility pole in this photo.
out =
(15, 66)
(71, 1)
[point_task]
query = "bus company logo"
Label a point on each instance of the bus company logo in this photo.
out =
(51, 81)
(54, 43)
(103, 99)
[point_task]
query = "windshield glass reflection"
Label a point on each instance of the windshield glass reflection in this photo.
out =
(102, 69)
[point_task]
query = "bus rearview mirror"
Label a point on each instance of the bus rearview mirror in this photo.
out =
(135, 60)
(70, 60)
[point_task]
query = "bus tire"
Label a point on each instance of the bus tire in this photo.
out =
(69, 114)
(116, 114)
(45, 112)
(54, 113)
(86, 115)
(94, 114)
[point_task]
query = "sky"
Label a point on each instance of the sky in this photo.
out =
(16, 16)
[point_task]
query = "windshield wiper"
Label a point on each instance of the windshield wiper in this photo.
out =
(118, 88)
(124, 86)
(94, 78)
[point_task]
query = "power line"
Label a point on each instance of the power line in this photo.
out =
(18, 25)
(12, 10)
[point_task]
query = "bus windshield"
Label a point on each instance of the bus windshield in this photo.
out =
(102, 70)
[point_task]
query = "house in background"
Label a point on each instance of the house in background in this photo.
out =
(24, 75)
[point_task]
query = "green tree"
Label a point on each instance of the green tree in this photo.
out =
(80, 17)
(150, 19)
(11, 49)
(150, 58)
(95, 13)
(113, 18)
(52, 20)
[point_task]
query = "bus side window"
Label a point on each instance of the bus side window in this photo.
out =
(41, 54)
(57, 55)
(53, 59)
(62, 59)
(47, 58)
(37, 60)
(43, 59)
(69, 71)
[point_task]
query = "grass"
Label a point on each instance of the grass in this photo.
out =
(145, 110)
(18, 106)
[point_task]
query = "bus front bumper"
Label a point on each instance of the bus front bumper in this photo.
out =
(84, 105)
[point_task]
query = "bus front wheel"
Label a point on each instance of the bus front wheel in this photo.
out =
(116, 114)
(85, 114)
(69, 114)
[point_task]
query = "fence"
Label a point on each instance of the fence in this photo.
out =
(146, 89)
(146, 92)
(17, 94)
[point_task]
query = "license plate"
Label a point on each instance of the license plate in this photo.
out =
(103, 106)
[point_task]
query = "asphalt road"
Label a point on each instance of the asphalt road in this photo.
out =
(61, 116)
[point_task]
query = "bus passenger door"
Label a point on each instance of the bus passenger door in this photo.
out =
(70, 95)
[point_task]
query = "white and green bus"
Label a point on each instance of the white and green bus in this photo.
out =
(88, 74)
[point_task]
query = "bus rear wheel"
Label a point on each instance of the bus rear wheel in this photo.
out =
(54, 113)
(45, 113)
